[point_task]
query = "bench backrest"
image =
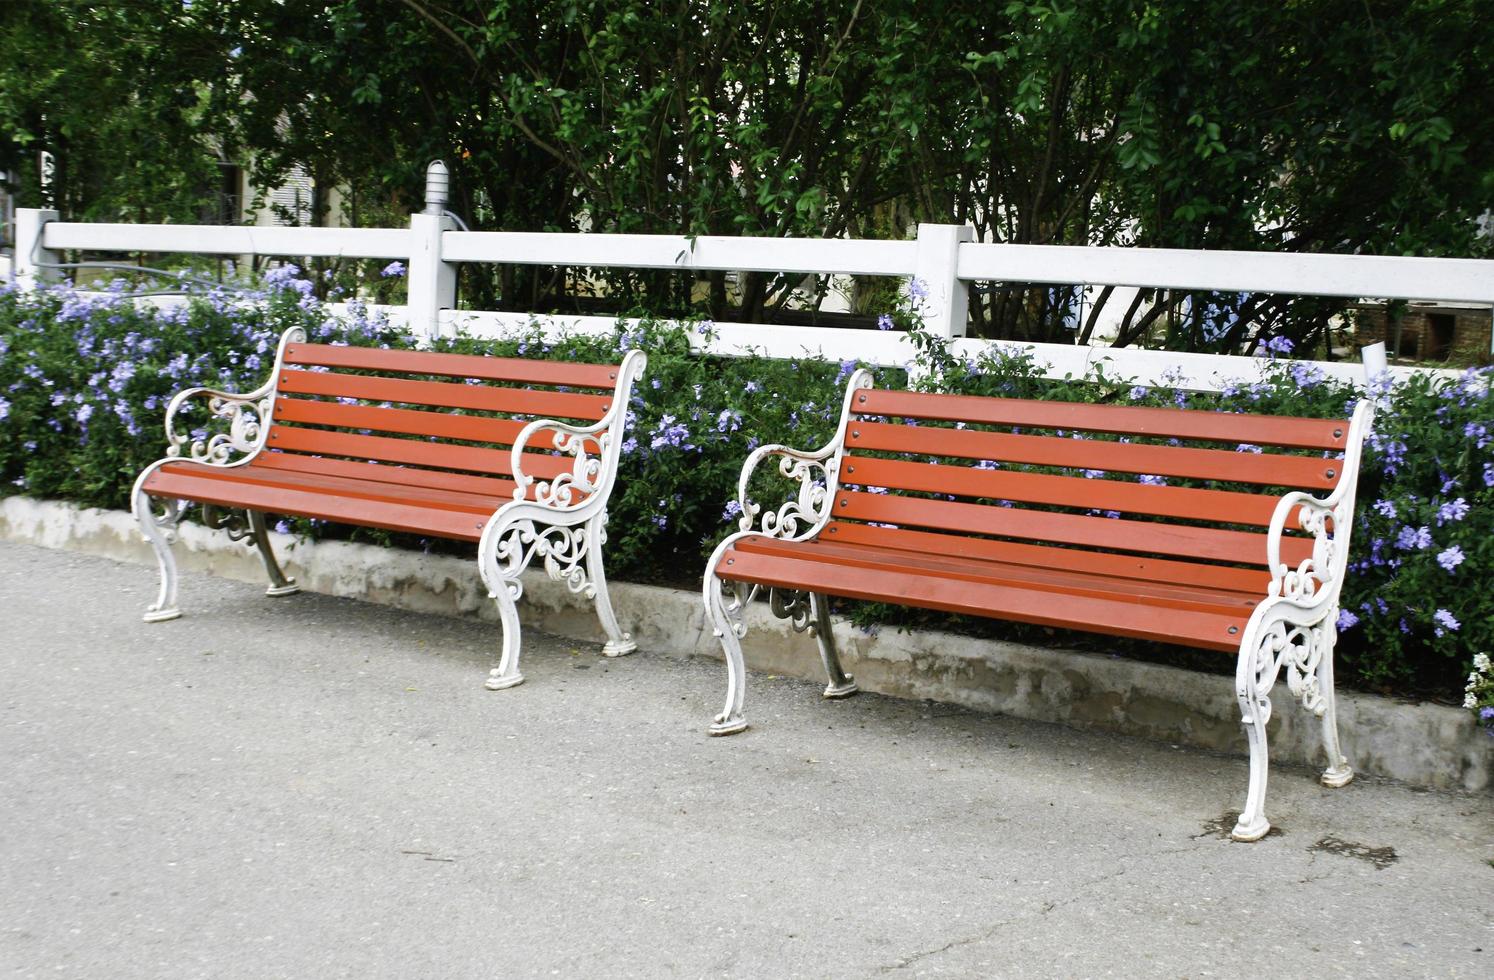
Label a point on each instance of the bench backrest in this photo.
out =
(446, 421)
(986, 477)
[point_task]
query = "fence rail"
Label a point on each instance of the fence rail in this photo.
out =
(943, 259)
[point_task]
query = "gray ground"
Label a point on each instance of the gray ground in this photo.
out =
(316, 787)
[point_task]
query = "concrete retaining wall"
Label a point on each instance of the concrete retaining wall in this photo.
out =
(1422, 744)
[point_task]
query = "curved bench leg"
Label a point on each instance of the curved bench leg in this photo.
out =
(724, 625)
(506, 674)
(619, 644)
(160, 531)
(1338, 772)
(1255, 711)
(841, 684)
(280, 583)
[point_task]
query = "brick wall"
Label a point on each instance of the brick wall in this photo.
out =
(1456, 335)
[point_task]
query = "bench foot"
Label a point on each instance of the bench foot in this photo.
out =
(499, 682)
(619, 648)
(835, 692)
(162, 615)
(1248, 833)
(290, 588)
(1336, 776)
(729, 726)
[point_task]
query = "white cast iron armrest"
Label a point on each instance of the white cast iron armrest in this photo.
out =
(248, 417)
(587, 485)
(1315, 583)
(815, 472)
(590, 473)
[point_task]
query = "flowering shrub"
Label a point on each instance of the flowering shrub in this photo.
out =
(1478, 696)
(84, 382)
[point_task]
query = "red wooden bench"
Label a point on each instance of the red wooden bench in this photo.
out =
(1034, 511)
(518, 456)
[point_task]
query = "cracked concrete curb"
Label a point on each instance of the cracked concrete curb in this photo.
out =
(1421, 744)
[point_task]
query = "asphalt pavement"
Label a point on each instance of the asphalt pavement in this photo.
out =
(311, 787)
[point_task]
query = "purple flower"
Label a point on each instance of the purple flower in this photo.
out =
(1347, 620)
(1486, 714)
(1446, 620)
(750, 387)
(884, 322)
(84, 413)
(670, 432)
(1414, 538)
(732, 512)
(918, 290)
(1451, 558)
(1279, 345)
(1453, 511)
(1385, 508)
(4, 409)
(1152, 481)
(1478, 433)
(392, 270)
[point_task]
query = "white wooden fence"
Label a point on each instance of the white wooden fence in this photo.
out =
(943, 259)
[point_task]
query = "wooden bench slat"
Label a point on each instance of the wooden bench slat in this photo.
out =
(409, 476)
(1177, 423)
(1204, 543)
(557, 373)
(440, 455)
(459, 524)
(1301, 472)
(444, 394)
(1222, 506)
(1225, 578)
(501, 432)
(1063, 580)
(267, 476)
(1122, 617)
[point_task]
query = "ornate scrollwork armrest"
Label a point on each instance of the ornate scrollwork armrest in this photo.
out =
(247, 415)
(594, 450)
(815, 472)
(1315, 582)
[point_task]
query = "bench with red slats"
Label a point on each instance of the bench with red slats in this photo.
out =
(413, 441)
(1037, 512)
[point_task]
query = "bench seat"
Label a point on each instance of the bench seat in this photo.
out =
(365, 502)
(1147, 610)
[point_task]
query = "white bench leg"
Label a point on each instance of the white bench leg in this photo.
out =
(1255, 665)
(725, 625)
(506, 674)
(1338, 772)
(280, 583)
(160, 531)
(840, 684)
(619, 644)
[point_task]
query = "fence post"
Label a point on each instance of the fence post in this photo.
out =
(29, 251)
(431, 283)
(946, 307)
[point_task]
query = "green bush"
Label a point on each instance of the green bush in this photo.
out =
(84, 382)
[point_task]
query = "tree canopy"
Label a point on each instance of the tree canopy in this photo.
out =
(1309, 125)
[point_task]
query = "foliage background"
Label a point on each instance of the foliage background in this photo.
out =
(84, 380)
(1314, 125)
